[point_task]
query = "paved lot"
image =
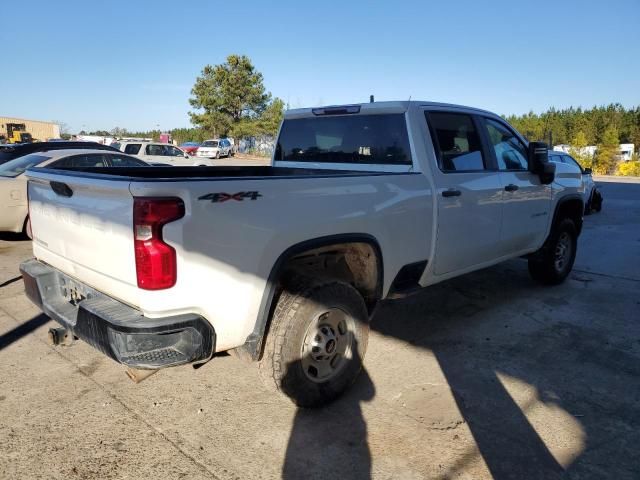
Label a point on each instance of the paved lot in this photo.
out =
(245, 160)
(488, 375)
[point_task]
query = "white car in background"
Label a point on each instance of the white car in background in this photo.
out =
(215, 148)
(156, 153)
(13, 181)
(592, 195)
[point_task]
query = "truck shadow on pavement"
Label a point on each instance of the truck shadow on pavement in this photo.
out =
(14, 237)
(463, 322)
(331, 442)
(22, 330)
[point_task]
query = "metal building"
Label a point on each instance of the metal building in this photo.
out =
(39, 130)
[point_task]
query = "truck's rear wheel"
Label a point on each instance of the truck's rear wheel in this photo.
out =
(316, 343)
(553, 263)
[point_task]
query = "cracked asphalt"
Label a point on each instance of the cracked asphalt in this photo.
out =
(485, 376)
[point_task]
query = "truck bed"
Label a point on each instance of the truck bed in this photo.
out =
(237, 222)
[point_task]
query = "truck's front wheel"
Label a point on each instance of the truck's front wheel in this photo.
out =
(316, 343)
(553, 263)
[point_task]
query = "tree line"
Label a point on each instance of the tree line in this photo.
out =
(606, 127)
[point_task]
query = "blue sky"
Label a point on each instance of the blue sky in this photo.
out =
(97, 65)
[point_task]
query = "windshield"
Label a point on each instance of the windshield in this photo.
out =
(210, 143)
(364, 139)
(15, 167)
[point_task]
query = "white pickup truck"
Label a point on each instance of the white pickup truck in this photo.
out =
(285, 264)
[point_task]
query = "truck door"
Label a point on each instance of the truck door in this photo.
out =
(527, 202)
(469, 194)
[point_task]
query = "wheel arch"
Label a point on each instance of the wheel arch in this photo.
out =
(340, 247)
(572, 207)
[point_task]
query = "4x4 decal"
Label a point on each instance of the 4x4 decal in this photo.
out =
(223, 197)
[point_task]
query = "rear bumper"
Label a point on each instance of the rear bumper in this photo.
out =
(117, 330)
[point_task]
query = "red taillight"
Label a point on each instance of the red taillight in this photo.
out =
(156, 266)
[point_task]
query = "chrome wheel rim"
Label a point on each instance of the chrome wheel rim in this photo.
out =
(562, 252)
(327, 345)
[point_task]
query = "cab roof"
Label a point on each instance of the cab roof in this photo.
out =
(397, 106)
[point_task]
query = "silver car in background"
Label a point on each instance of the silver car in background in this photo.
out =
(592, 194)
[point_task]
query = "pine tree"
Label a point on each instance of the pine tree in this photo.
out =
(577, 151)
(608, 152)
(231, 98)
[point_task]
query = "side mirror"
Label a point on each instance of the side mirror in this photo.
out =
(539, 163)
(186, 155)
(587, 171)
(548, 173)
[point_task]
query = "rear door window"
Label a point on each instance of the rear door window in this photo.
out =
(456, 142)
(360, 139)
(154, 150)
(124, 161)
(157, 150)
(132, 148)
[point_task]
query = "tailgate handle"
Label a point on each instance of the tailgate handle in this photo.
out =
(61, 189)
(451, 193)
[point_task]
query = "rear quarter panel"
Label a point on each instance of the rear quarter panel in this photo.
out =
(226, 250)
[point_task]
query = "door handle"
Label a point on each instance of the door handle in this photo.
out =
(61, 189)
(451, 193)
(511, 187)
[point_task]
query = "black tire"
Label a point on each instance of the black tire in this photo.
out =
(597, 202)
(217, 155)
(302, 314)
(587, 207)
(26, 228)
(553, 263)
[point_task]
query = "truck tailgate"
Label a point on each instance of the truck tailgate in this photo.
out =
(83, 227)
